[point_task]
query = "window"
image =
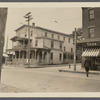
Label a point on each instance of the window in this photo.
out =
(60, 56)
(64, 48)
(52, 44)
(71, 49)
(64, 38)
(30, 55)
(25, 54)
(36, 43)
(52, 35)
(25, 35)
(91, 14)
(58, 37)
(31, 33)
(20, 54)
(91, 32)
(60, 45)
(51, 56)
(69, 40)
(45, 34)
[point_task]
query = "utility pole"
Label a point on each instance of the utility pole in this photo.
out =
(28, 16)
(75, 40)
(7, 43)
(3, 18)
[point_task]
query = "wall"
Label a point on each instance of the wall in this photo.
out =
(86, 23)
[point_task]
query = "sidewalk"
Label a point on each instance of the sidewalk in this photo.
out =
(79, 69)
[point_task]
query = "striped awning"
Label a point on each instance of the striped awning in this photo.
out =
(91, 52)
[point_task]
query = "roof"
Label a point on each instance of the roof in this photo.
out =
(53, 31)
(17, 38)
(69, 35)
(89, 40)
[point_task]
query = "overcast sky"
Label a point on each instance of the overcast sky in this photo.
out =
(67, 19)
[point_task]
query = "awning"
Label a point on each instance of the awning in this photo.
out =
(91, 52)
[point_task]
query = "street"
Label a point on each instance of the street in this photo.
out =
(49, 79)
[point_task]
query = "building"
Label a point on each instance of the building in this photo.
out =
(46, 46)
(91, 36)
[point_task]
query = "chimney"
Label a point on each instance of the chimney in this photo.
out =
(33, 24)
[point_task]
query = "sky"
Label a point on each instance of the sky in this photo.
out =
(67, 19)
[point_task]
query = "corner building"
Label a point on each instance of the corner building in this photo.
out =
(46, 46)
(91, 36)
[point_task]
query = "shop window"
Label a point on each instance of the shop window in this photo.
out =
(60, 56)
(91, 14)
(51, 56)
(91, 32)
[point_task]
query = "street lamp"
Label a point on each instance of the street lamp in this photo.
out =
(28, 16)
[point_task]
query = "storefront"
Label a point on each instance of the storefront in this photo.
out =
(91, 51)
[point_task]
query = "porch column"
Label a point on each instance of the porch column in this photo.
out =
(35, 57)
(42, 57)
(19, 56)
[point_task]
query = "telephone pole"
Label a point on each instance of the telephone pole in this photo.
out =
(75, 40)
(28, 16)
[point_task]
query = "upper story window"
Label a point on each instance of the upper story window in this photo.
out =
(45, 34)
(52, 35)
(31, 33)
(91, 14)
(68, 40)
(64, 38)
(60, 45)
(36, 43)
(25, 35)
(64, 48)
(71, 49)
(91, 32)
(60, 56)
(52, 44)
(58, 37)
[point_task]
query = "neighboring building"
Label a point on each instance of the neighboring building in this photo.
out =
(91, 36)
(47, 46)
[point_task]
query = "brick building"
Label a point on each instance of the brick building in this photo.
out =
(91, 36)
(47, 46)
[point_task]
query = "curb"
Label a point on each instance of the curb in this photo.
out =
(96, 73)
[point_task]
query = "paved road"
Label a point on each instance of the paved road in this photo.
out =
(49, 80)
